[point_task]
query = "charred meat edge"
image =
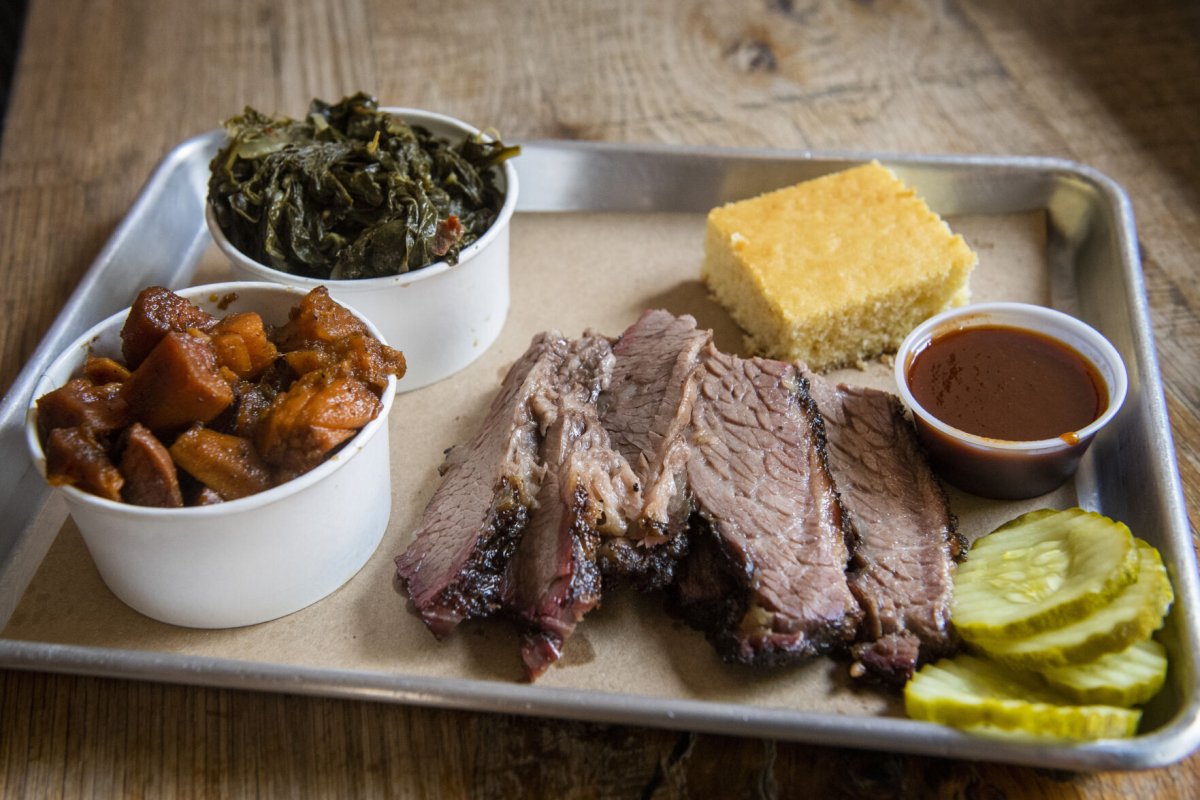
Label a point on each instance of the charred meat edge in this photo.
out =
(455, 567)
(588, 488)
(647, 410)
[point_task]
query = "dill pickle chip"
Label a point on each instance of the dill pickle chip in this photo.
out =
(975, 694)
(1042, 570)
(1128, 678)
(1131, 616)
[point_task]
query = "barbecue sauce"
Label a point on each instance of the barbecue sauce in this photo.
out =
(1007, 383)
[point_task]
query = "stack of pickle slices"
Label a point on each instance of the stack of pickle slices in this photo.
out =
(1057, 609)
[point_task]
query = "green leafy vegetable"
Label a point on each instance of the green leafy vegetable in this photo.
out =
(352, 192)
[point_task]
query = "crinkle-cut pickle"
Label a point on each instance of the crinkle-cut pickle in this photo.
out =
(1042, 570)
(1131, 616)
(976, 694)
(1127, 678)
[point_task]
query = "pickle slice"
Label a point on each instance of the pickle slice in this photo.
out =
(1128, 678)
(974, 694)
(1132, 615)
(1042, 570)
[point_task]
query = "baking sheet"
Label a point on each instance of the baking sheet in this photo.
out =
(628, 661)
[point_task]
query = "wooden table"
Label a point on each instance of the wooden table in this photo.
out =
(105, 88)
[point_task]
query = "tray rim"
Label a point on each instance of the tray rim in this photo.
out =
(1170, 743)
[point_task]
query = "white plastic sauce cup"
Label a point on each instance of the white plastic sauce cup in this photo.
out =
(1001, 468)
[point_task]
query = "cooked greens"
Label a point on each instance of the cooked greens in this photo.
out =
(351, 191)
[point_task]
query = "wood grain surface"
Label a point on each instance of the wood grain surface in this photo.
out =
(104, 88)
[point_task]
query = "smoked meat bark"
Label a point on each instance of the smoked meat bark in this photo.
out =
(455, 567)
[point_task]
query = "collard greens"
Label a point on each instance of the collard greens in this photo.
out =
(352, 192)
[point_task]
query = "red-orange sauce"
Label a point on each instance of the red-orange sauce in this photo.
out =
(1007, 383)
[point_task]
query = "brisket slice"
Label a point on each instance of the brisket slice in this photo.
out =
(588, 487)
(647, 410)
(456, 565)
(902, 569)
(765, 578)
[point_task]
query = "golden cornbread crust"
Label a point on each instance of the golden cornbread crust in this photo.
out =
(834, 270)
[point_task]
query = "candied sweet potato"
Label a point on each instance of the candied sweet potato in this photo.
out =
(317, 318)
(361, 355)
(155, 313)
(100, 370)
(320, 411)
(75, 458)
(227, 464)
(205, 496)
(80, 403)
(242, 344)
(243, 405)
(149, 472)
(177, 384)
(248, 409)
(311, 359)
(373, 360)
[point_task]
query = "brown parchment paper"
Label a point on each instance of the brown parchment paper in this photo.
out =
(570, 272)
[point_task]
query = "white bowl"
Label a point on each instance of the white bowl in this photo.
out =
(243, 561)
(1003, 468)
(443, 317)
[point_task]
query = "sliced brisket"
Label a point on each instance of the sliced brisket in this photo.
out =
(647, 410)
(765, 578)
(455, 567)
(787, 516)
(588, 487)
(902, 569)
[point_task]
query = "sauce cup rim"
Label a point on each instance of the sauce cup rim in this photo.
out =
(1019, 316)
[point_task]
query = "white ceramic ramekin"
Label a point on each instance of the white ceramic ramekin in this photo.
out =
(996, 467)
(243, 561)
(443, 317)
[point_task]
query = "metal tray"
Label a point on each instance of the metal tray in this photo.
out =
(1095, 274)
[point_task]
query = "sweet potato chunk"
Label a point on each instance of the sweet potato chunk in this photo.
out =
(155, 313)
(75, 458)
(312, 359)
(362, 356)
(81, 403)
(244, 406)
(149, 472)
(317, 318)
(320, 411)
(100, 370)
(205, 496)
(372, 360)
(250, 403)
(225, 463)
(177, 384)
(242, 345)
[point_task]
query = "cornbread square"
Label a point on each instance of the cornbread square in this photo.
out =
(835, 270)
